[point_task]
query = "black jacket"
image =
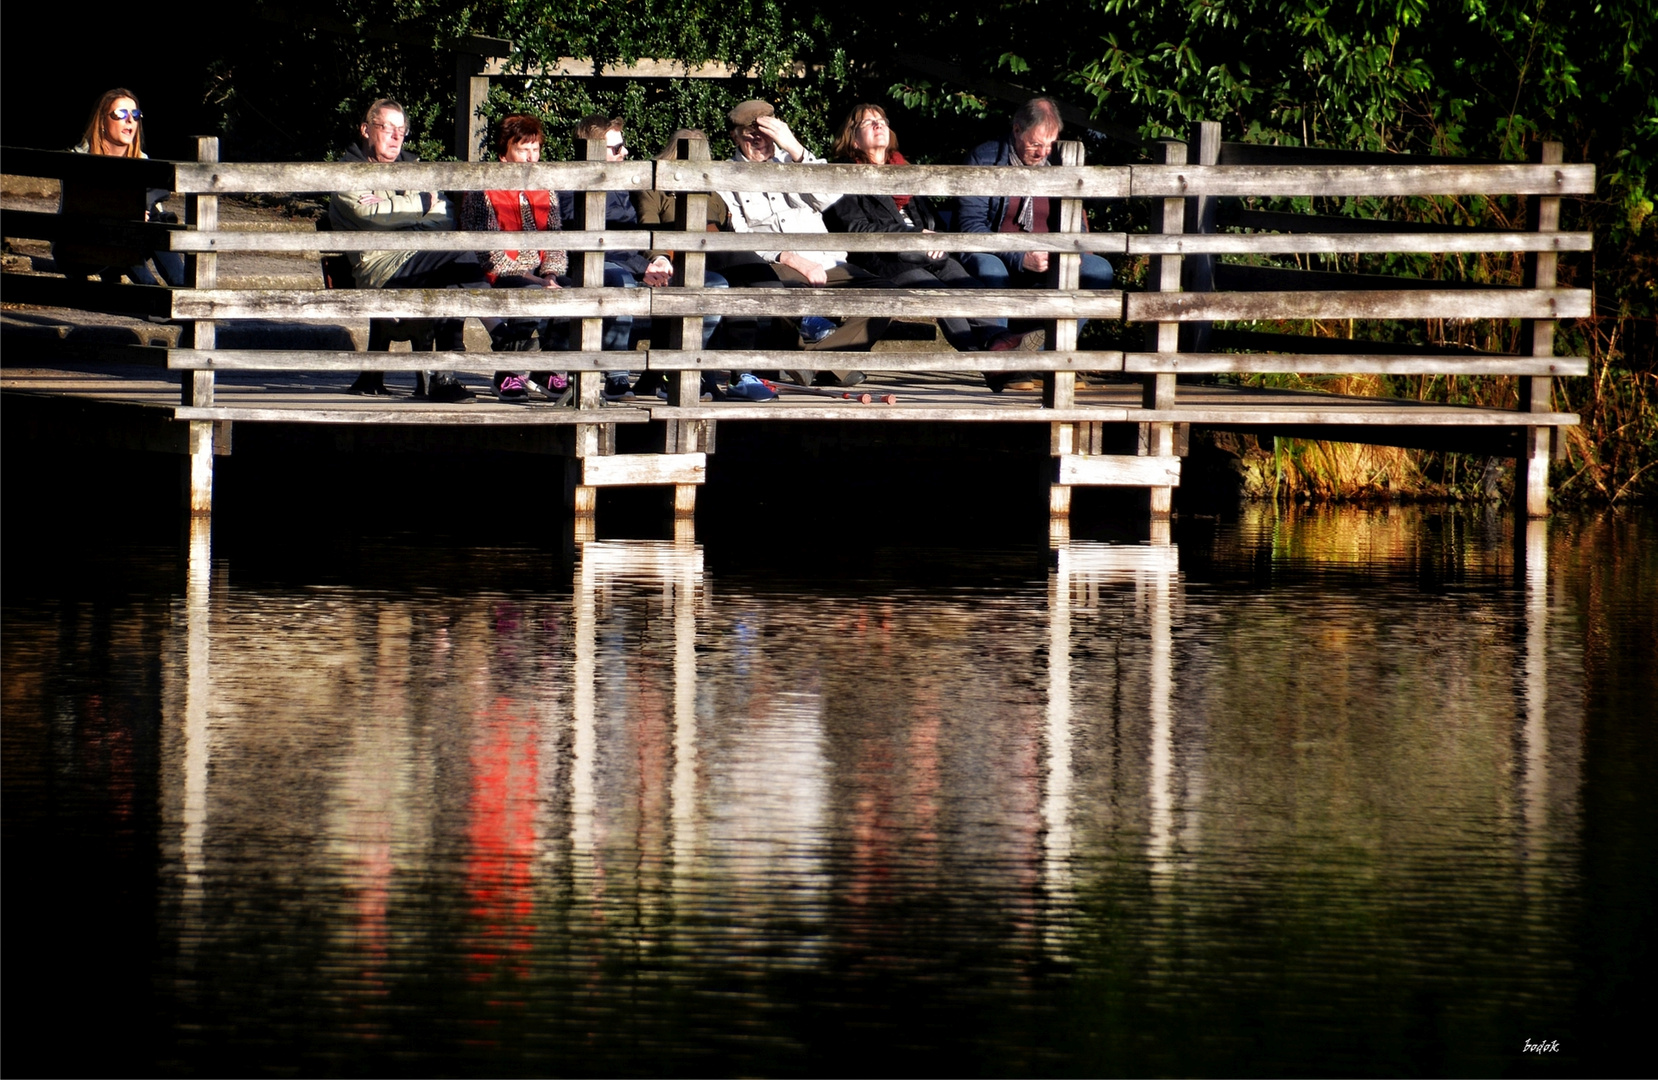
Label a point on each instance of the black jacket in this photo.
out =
(878, 213)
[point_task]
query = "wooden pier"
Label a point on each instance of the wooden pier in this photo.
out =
(192, 392)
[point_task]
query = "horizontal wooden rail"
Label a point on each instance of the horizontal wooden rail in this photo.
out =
(410, 240)
(33, 225)
(893, 303)
(1172, 181)
(1351, 364)
(87, 295)
(413, 412)
(1361, 304)
(314, 304)
(885, 360)
(1058, 181)
(638, 239)
(91, 169)
(1102, 243)
(1357, 412)
(1354, 243)
(230, 178)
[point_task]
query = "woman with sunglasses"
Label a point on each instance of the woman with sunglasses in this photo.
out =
(116, 129)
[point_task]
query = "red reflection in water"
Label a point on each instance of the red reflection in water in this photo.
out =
(501, 841)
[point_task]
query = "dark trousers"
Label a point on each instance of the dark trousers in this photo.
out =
(442, 270)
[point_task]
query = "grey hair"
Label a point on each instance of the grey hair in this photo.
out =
(383, 105)
(1038, 112)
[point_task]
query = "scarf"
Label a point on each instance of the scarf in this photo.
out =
(509, 213)
(1027, 205)
(893, 158)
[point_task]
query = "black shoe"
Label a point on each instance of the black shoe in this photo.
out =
(513, 337)
(446, 389)
(829, 378)
(370, 384)
(649, 383)
(617, 387)
(997, 380)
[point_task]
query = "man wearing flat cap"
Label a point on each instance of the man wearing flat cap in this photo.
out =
(761, 136)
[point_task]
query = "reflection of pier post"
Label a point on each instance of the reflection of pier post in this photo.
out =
(1082, 571)
(1534, 783)
(678, 567)
(188, 686)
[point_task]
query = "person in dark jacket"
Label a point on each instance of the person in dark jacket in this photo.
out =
(866, 138)
(1031, 145)
(383, 131)
(622, 269)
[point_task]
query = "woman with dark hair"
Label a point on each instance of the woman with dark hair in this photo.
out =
(116, 129)
(866, 138)
(518, 140)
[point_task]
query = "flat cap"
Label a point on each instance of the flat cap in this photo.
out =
(750, 111)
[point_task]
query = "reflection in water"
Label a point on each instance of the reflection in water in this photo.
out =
(1164, 811)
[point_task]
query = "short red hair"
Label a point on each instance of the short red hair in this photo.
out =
(518, 128)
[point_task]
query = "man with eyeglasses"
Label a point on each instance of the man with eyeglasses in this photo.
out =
(384, 130)
(1030, 144)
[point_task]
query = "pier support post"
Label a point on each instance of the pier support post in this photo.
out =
(1531, 469)
(685, 387)
(1059, 388)
(1157, 439)
(196, 389)
(592, 440)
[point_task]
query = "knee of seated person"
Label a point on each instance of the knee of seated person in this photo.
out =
(1095, 274)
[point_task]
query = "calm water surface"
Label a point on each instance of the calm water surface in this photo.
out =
(1341, 792)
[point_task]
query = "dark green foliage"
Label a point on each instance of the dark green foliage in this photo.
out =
(1483, 78)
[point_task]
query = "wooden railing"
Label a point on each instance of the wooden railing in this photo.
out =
(1187, 288)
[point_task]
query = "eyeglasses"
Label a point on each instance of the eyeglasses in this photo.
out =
(127, 114)
(391, 129)
(873, 121)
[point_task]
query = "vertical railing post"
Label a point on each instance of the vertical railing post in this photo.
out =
(1198, 271)
(471, 92)
(592, 440)
(685, 387)
(1059, 388)
(1531, 468)
(1157, 439)
(201, 272)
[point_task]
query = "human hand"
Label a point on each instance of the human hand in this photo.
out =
(808, 268)
(934, 255)
(780, 134)
(1036, 262)
(660, 272)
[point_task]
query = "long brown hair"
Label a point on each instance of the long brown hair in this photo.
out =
(95, 126)
(845, 149)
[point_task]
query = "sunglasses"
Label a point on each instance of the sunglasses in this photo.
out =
(127, 114)
(619, 148)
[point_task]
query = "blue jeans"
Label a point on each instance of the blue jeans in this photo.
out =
(993, 272)
(710, 323)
